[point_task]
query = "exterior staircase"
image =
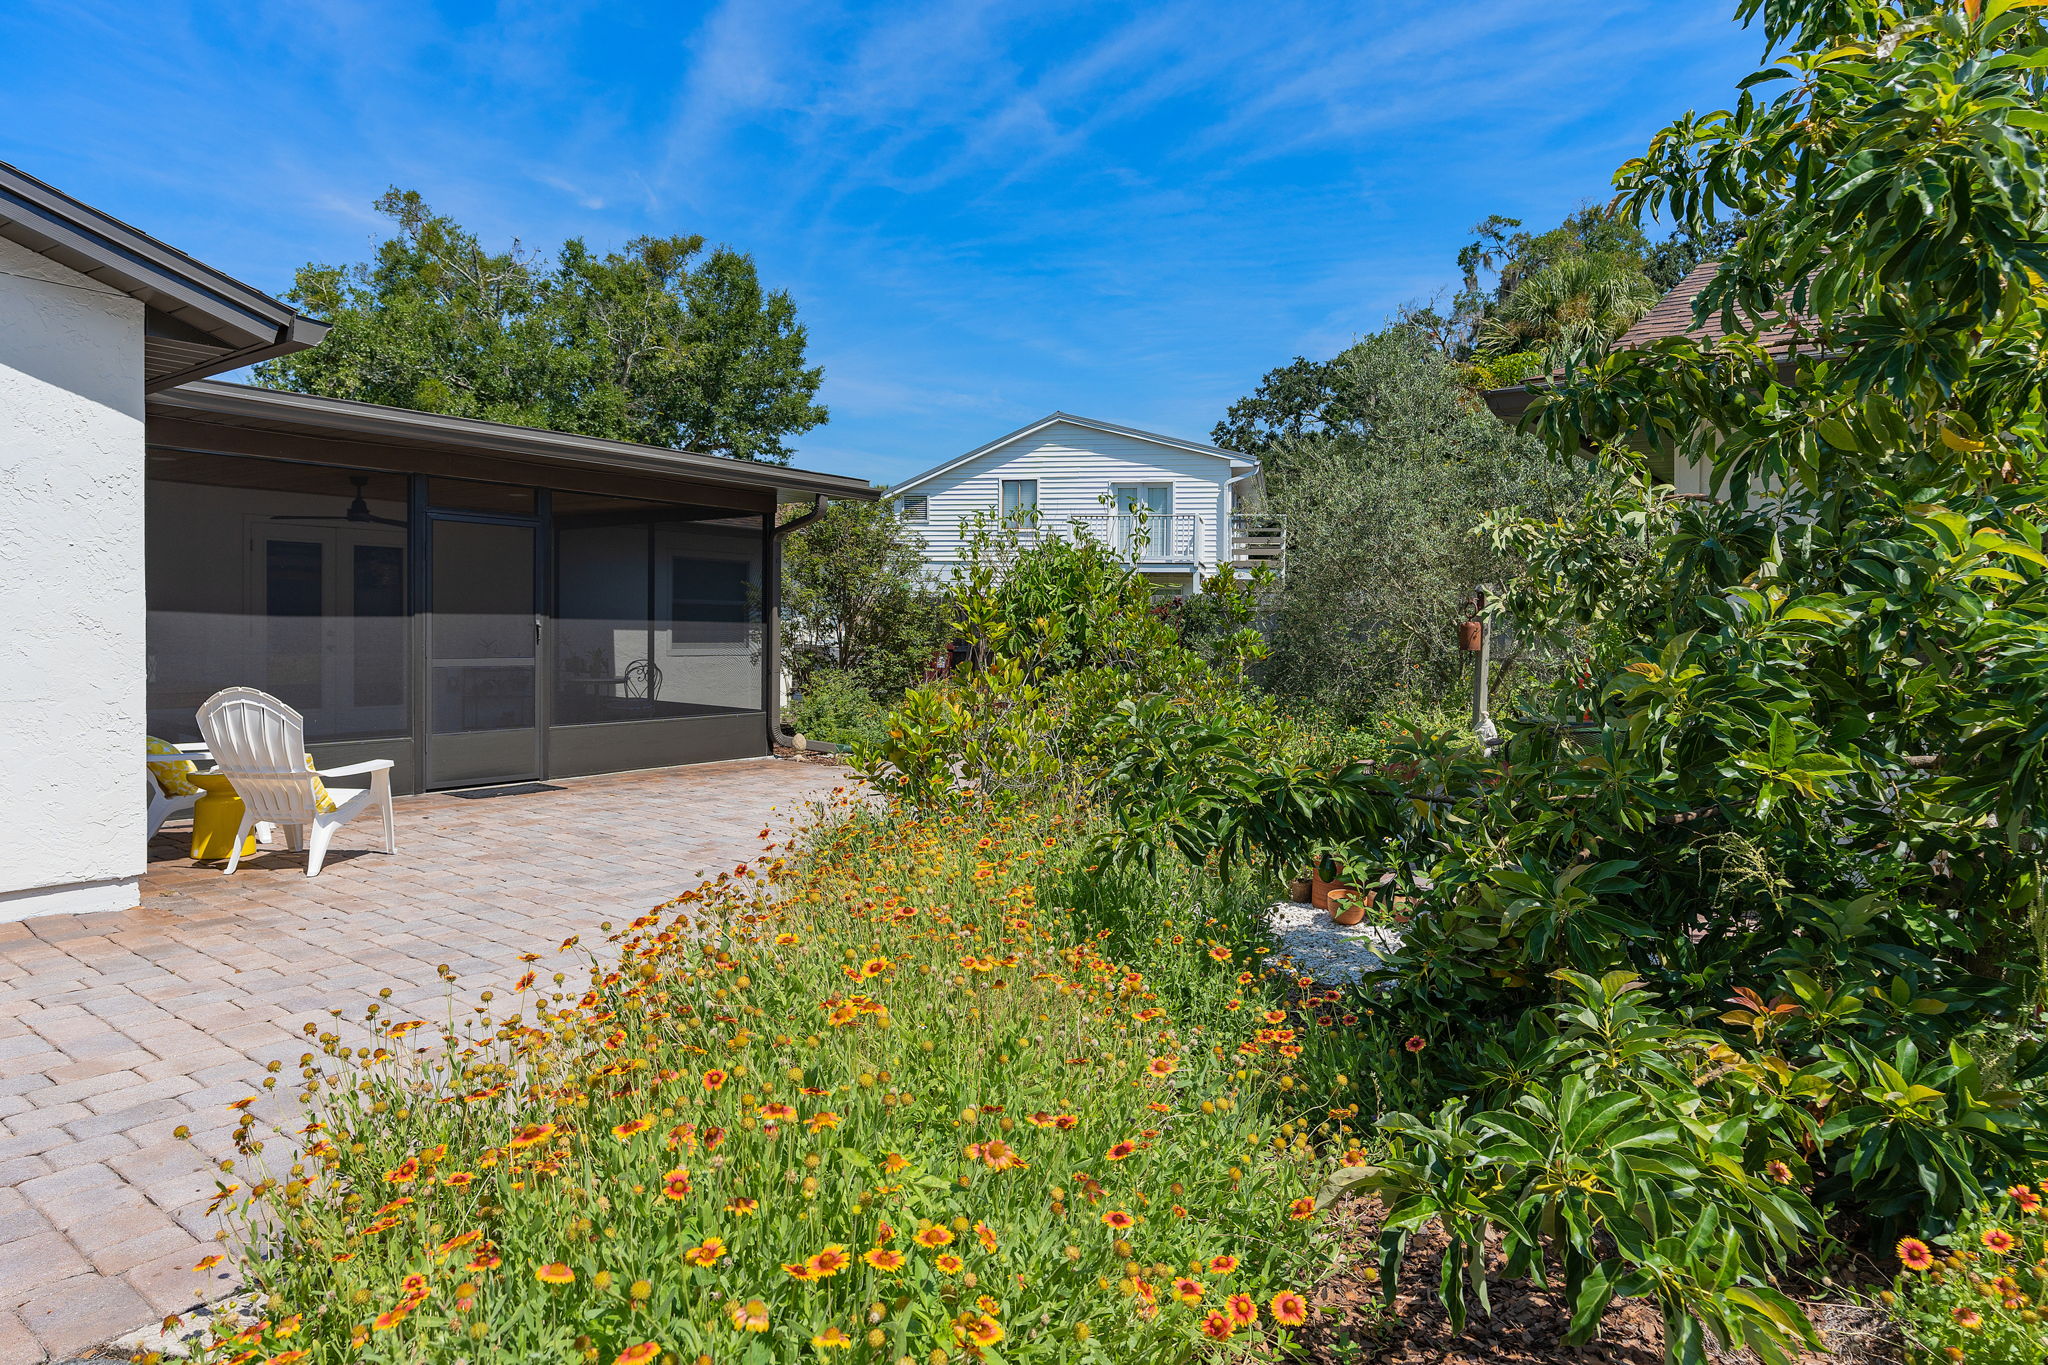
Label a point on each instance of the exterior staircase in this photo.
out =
(1258, 540)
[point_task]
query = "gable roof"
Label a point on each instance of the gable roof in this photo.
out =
(196, 322)
(1237, 459)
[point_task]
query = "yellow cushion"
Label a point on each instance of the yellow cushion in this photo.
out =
(322, 801)
(174, 778)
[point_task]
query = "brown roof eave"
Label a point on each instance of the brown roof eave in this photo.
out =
(243, 322)
(1509, 403)
(278, 409)
(300, 334)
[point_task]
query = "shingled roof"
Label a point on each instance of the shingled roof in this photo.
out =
(1673, 314)
(1672, 317)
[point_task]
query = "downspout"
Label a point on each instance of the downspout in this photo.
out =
(773, 673)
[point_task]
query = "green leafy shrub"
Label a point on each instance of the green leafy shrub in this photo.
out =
(1630, 1159)
(1795, 782)
(836, 707)
(1074, 672)
(1505, 369)
(856, 601)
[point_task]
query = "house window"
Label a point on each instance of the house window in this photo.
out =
(916, 508)
(711, 590)
(1019, 496)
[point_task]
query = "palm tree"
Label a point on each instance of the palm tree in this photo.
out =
(1570, 310)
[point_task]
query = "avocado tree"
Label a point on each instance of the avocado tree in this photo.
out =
(1805, 780)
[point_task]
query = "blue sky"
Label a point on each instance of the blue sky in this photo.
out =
(985, 211)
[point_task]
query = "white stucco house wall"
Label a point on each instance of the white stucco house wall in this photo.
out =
(1176, 506)
(93, 315)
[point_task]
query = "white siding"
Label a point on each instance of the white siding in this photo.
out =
(71, 660)
(1075, 467)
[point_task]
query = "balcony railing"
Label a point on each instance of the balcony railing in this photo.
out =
(1178, 538)
(1256, 541)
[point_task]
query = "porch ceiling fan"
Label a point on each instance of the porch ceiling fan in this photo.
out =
(358, 511)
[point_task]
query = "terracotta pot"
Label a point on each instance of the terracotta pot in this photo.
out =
(1470, 636)
(1319, 890)
(1300, 889)
(1348, 904)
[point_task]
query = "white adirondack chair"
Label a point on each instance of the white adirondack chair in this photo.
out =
(259, 744)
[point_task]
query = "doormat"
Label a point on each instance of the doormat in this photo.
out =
(516, 789)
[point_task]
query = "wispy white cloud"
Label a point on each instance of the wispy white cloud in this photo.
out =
(985, 208)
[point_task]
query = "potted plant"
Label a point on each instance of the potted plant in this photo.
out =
(1348, 904)
(1339, 872)
(1326, 870)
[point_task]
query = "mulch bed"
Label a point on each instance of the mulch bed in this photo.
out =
(810, 756)
(1352, 1323)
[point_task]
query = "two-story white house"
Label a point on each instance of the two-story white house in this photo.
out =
(1182, 509)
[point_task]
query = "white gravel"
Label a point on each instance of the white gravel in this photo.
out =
(1312, 945)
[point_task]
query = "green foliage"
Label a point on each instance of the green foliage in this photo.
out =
(1594, 241)
(1074, 671)
(1301, 398)
(1586, 280)
(856, 602)
(1052, 603)
(1204, 795)
(1628, 1160)
(1570, 311)
(1796, 789)
(1512, 256)
(1502, 371)
(658, 343)
(1591, 585)
(834, 707)
(1672, 259)
(1382, 521)
(990, 735)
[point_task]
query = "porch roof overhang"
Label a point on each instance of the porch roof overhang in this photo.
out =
(309, 416)
(1510, 403)
(196, 321)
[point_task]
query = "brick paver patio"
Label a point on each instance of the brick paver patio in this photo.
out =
(116, 1029)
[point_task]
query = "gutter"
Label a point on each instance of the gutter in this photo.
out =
(296, 335)
(80, 237)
